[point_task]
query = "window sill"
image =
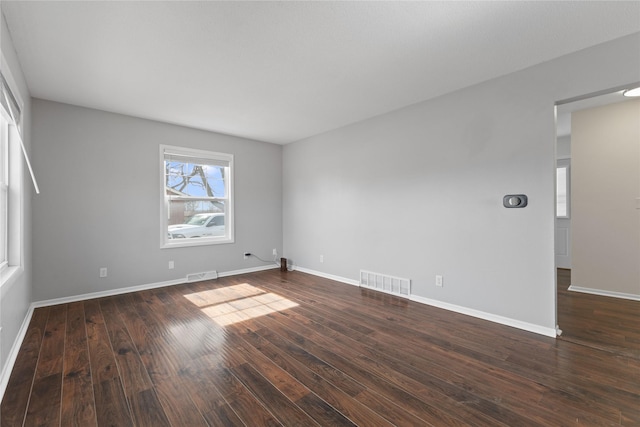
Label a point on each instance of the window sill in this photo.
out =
(185, 243)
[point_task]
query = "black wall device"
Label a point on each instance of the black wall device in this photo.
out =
(515, 201)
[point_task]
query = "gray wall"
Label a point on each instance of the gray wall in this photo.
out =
(564, 147)
(15, 297)
(418, 192)
(605, 186)
(99, 207)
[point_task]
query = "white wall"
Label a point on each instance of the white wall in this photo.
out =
(99, 207)
(605, 187)
(15, 295)
(418, 192)
(563, 149)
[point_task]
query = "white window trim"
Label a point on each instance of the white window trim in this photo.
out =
(15, 215)
(565, 164)
(4, 188)
(229, 212)
(15, 232)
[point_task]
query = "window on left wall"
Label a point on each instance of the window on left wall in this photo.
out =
(197, 197)
(10, 182)
(4, 192)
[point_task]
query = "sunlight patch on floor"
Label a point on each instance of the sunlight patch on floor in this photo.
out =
(233, 304)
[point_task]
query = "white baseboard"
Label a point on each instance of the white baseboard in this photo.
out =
(507, 321)
(119, 291)
(328, 276)
(603, 293)
(530, 327)
(13, 353)
(101, 294)
(248, 270)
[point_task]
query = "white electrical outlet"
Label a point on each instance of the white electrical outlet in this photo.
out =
(438, 280)
(275, 252)
(103, 271)
(321, 258)
(171, 265)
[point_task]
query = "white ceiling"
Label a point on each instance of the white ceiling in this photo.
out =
(284, 71)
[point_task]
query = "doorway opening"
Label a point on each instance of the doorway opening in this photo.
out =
(597, 236)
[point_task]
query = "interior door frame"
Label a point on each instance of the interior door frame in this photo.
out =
(555, 151)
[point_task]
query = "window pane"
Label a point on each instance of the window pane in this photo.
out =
(3, 225)
(8, 102)
(189, 223)
(192, 179)
(561, 192)
(4, 193)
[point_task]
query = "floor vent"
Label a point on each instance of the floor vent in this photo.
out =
(384, 283)
(207, 275)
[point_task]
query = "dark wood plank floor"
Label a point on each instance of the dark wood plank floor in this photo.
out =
(274, 348)
(606, 323)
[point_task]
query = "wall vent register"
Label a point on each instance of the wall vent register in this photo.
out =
(385, 283)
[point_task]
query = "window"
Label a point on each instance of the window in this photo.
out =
(563, 189)
(10, 180)
(197, 197)
(4, 191)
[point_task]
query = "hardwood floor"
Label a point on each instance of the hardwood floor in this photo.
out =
(286, 348)
(609, 324)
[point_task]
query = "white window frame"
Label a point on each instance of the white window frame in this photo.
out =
(14, 237)
(4, 191)
(165, 242)
(566, 165)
